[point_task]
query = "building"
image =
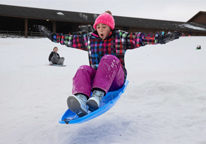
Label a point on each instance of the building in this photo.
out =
(200, 18)
(21, 20)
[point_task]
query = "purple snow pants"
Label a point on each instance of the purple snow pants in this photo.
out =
(109, 76)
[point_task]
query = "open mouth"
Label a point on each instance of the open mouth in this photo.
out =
(101, 35)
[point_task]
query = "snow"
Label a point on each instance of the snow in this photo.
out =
(192, 27)
(164, 103)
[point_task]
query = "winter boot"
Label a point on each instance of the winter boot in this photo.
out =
(94, 100)
(77, 104)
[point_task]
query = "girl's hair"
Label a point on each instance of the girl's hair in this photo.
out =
(109, 12)
(54, 48)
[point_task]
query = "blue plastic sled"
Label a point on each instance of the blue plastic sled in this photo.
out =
(107, 102)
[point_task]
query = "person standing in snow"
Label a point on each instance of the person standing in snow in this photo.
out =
(106, 47)
(54, 57)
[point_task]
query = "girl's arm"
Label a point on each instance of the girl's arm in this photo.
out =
(75, 41)
(50, 56)
(135, 40)
(138, 39)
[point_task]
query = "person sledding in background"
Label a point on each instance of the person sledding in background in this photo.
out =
(106, 47)
(54, 57)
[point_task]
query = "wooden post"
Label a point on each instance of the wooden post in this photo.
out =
(54, 26)
(26, 27)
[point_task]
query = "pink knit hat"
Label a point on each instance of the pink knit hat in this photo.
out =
(105, 18)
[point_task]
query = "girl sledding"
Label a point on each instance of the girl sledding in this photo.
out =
(54, 58)
(106, 47)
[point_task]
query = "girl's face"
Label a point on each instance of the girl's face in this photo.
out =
(103, 30)
(55, 49)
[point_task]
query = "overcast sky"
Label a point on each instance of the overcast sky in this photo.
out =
(174, 10)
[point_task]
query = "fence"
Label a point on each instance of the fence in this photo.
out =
(18, 34)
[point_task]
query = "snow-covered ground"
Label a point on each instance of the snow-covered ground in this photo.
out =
(165, 101)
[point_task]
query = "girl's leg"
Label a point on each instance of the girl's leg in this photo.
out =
(54, 60)
(109, 75)
(82, 81)
(61, 61)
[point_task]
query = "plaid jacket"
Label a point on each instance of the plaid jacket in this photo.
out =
(115, 44)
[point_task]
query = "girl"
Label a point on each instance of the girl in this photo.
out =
(54, 57)
(106, 47)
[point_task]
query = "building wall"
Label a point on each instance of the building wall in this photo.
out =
(148, 30)
(11, 24)
(18, 25)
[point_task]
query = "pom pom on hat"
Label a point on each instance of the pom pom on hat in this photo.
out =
(105, 18)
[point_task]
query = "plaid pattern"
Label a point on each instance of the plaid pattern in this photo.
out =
(116, 44)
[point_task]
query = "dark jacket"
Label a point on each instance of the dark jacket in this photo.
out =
(53, 53)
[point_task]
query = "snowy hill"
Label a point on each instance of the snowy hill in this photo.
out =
(165, 102)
